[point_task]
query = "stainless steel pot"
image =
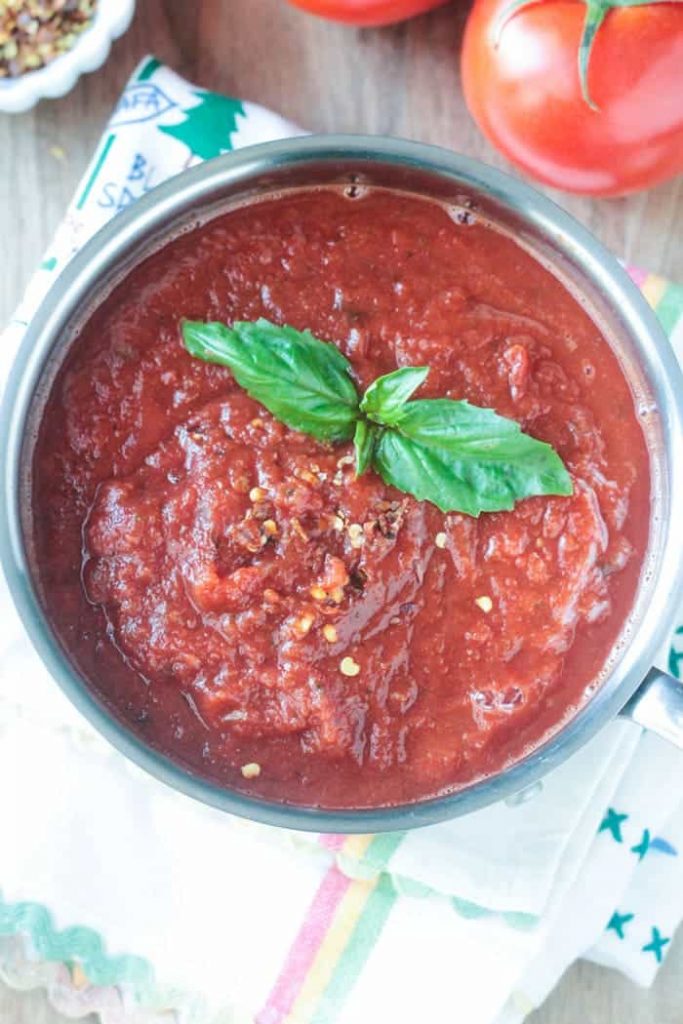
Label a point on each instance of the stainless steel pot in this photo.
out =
(543, 228)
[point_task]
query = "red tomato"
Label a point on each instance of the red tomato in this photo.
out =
(523, 86)
(368, 12)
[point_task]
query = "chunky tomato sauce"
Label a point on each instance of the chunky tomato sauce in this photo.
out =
(250, 608)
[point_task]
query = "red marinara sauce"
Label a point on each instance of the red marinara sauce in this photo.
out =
(209, 570)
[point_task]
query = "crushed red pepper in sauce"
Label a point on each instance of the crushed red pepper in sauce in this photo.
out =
(257, 613)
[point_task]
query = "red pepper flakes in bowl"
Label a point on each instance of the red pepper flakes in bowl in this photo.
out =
(33, 33)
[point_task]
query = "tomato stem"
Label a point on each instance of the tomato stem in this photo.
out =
(506, 14)
(596, 12)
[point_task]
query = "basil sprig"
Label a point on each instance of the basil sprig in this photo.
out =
(458, 456)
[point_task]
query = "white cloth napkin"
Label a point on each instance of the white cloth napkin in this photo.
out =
(122, 896)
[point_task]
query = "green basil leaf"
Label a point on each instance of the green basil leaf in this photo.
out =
(467, 459)
(304, 382)
(364, 442)
(470, 432)
(444, 422)
(386, 396)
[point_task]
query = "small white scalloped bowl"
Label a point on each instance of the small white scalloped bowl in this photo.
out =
(90, 51)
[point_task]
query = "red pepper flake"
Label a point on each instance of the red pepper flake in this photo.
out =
(298, 528)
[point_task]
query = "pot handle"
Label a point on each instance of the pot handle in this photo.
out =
(657, 705)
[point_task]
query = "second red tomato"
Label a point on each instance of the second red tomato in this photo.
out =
(367, 12)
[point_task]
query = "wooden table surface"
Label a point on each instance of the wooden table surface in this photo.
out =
(400, 81)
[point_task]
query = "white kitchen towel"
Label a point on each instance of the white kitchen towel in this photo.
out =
(125, 897)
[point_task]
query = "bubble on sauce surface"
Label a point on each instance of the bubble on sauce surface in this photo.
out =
(356, 191)
(461, 215)
(645, 408)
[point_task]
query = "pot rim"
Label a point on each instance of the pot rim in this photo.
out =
(537, 212)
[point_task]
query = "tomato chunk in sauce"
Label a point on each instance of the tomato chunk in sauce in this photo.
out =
(232, 591)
